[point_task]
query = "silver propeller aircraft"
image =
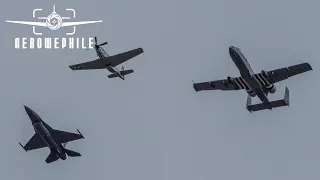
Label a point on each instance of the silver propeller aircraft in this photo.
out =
(105, 61)
(255, 84)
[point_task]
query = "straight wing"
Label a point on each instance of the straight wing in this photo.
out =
(64, 137)
(224, 85)
(35, 142)
(95, 64)
(284, 73)
(123, 57)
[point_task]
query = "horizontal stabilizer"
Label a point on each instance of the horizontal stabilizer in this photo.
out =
(123, 73)
(112, 75)
(52, 157)
(274, 104)
(72, 153)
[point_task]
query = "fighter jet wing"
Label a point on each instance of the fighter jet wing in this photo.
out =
(224, 85)
(35, 143)
(284, 73)
(123, 57)
(63, 137)
(95, 64)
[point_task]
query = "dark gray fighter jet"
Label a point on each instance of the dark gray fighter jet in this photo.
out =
(105, 61)
(259, 84)
(45, 136)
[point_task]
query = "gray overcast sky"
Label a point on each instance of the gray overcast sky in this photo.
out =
(154, 126)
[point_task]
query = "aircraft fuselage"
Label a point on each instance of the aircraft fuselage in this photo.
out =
(102, 55)
(115, 71)
(247, 74)
(44, 132)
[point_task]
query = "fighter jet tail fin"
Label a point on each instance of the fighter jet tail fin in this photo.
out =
(72, 153)
(52, 157)
(273, 104)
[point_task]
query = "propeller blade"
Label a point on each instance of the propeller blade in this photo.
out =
(95, 40)
(103, 44)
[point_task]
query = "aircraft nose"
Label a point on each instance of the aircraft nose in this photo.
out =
(231, 50)
(27, 108)
(32, 115)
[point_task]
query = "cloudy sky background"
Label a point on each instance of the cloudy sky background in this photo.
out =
(154, 126)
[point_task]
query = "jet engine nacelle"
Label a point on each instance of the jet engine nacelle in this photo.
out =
(266, 76)
(251, 93)
(272, 89)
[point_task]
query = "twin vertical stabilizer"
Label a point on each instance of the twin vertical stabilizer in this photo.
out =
(263, 106)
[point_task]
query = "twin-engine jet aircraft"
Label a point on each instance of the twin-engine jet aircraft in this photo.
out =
(108, 62)
(45, 136)
(259, 84)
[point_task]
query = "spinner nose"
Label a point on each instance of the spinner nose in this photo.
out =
(231, 49)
